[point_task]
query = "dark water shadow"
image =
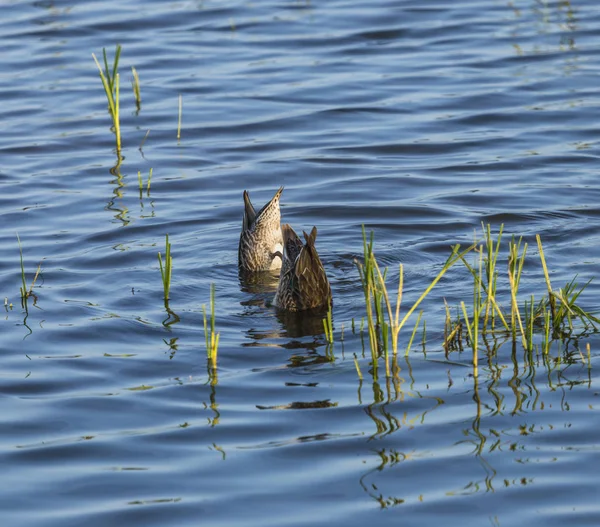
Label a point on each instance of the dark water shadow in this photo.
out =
(301, 324)
(258, 288)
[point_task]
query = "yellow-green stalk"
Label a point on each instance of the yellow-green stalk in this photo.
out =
(110, 82)
(212, 338)
(135, 84)
(166, 269)
(328, 326)
(413, 334)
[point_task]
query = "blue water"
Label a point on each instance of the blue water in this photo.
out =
(419, 120)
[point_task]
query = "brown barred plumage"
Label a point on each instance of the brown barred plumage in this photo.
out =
(303, 283)
(261, 241)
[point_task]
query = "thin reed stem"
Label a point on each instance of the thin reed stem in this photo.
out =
(210, 335)
(135, 84)
(166, 269)
(179, 119)
(414, 332)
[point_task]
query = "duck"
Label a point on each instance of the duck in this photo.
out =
(261, 241)
(303, 282)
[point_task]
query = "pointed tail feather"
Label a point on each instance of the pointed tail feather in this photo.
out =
(249, 212)
(310, 238)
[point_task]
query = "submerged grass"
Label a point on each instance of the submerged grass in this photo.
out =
(212, 338)
(166, 269)
(110, 82)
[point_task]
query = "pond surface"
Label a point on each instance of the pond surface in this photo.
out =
(420, 120)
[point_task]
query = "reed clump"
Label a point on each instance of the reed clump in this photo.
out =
(555, 316)
(378, 303)
(498, 310)
(110, 82)
(210, 335)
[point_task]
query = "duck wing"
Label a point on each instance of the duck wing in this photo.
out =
(303, 283)
(313, 289)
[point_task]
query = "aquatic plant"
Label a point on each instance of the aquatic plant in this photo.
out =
(141, 183)
(110, 82)
(377, 300)
(212, 338)
(556, 316)
(179, 120)
(135, 84)
(144, 141)
(412, 337)
(357, 366)
(166, 269)
(24, 291)
(328, 326)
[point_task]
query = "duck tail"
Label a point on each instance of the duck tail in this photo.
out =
(249, 212)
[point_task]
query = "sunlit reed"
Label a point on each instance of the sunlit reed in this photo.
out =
(357, 366)
(377, 300)
(110, 82)
(135, 84)
(141, 183)
(328, 326)
(211, 338)
(414, 332)
(515, 268)
(394, 319)
(166, 269)
(554, 316)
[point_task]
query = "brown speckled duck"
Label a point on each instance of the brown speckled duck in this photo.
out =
(261, 241)
(303, 283)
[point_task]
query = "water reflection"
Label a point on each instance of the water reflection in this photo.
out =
(504, 397)
(260, 283)
(171, 318)
(301, 331)
(387, 394)
(301, 324)
(258, 288)
(310, 358)
(121, 211)
(558, 18)
(213, 405)
(300, 405)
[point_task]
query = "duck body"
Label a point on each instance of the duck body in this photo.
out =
(261, 241)
(303, 283)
